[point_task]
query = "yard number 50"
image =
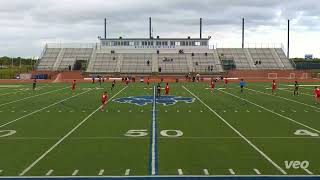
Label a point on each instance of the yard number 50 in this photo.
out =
(144, 132)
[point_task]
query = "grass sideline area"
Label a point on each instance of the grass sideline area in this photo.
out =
(194, 132)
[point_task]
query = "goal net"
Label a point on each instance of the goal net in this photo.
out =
(292, 75)
(272, 75)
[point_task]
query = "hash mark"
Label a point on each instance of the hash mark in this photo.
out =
(127, 172)
(75, 172)
(206, 172)
(101, 172)
(232, 172)
(49, 172)
(257, 171)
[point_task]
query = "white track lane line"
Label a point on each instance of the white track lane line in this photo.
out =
(10, 122)
(273, 112)
(180, 172)
(206, 172)
(49, 172)
(240, 134)
(101, 172)
(298, 102)
(127, 173)
(309, 172)
(65, 136)
(257, 171)
(32, 96)
(232, 171)
(75, 172)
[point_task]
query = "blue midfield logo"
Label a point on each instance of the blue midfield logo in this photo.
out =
(144, 100)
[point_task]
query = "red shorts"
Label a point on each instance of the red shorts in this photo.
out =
(73, 88)
(212, 86)
(274, 88)
(104, 102)
(318, 95)
(167, 92)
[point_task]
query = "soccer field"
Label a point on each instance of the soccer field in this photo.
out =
(52, 132)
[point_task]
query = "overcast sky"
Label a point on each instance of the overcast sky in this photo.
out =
(27, 25)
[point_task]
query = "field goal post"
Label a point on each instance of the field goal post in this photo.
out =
(272, 75)
(292, 75)
(304, 76)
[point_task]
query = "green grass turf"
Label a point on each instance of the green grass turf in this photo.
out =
(207, 141)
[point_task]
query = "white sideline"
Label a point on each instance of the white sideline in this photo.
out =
(10, 122)
(243, 137)
(285, 117)
(65, 136)
(32, 96)
(49, 172)
(283, 98)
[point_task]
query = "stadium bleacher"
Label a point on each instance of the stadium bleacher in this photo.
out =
(142, 61)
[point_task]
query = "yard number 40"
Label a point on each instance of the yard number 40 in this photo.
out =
(144, 132)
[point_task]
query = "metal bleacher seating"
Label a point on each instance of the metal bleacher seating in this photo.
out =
(48, 59)
(136, 63)
(173, 63)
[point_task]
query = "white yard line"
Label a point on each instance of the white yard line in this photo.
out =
(153, 143)
(240, 134)
(257, 171)
(32, 96)
(10, 122)
(49, 172)
(273, 112)
(309, 172)
(65, 136)
(298, 102)
(127, 173)
(180, 172)
(299, 92)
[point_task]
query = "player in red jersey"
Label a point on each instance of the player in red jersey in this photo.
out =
(274, 86)
(167, 89)
(213, 85)
(148, 81)
(317, 94)
(74, 83)
(104, 99)
(226, 81)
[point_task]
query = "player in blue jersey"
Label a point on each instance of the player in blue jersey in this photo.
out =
(242, 85)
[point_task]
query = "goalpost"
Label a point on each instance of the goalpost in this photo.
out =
(304, 76)
(292, 75)
(272, 75)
